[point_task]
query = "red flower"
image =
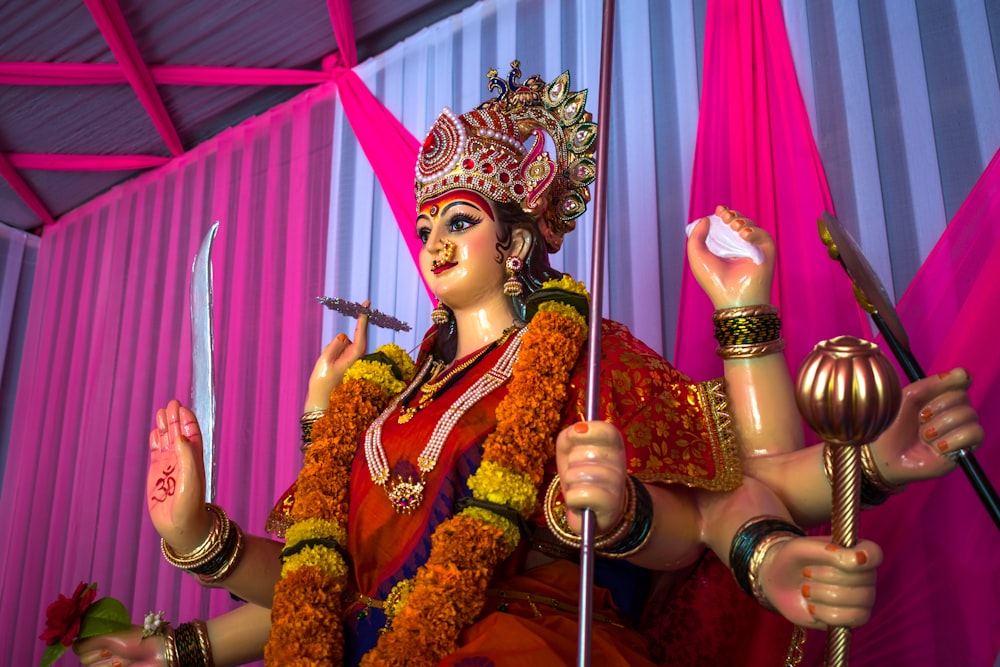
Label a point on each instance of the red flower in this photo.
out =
(63, 617)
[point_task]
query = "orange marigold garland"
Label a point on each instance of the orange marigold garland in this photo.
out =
(305, 618)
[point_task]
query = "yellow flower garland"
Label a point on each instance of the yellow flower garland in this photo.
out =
(448, 592)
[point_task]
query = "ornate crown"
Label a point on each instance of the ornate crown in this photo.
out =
(490, 150)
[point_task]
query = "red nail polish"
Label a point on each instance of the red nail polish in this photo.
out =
(860, 557)
(944, 375)
(812, 609)
(806, 590)
(930, 433)
(925, 415)
(341, 337)
(581, 427)
(942, 445)
(807, 573)
(831, 547)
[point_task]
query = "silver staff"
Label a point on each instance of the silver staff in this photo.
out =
(596, 308)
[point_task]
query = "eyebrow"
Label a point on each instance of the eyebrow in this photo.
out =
(457, 202)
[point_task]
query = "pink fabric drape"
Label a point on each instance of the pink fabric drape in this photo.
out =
(108, 342)
(389, 147)
(111, 22)
(755, 153)
(23, 190)
(939, 586)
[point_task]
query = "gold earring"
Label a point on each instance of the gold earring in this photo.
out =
(440, 314)
(512, 286)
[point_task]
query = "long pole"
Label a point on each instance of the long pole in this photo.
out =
(596, 309)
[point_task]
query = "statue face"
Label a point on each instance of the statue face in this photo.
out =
(459, 259)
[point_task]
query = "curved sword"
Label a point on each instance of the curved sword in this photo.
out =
(202, 357)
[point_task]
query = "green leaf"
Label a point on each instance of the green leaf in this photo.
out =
(104, 616)
(52, 653)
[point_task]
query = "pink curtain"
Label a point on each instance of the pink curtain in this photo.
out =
(755, 153)
(108, 342)
(939, 586)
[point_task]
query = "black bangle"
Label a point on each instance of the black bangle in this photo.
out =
(188, 646)
(745, 543)
(220, 559)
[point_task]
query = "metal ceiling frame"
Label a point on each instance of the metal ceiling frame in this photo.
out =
(143, 78)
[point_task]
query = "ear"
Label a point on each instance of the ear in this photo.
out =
(521, 241)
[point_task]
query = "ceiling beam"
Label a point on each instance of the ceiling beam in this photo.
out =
(23, 190)
(67, 162)
(111, 22)
(111, 74)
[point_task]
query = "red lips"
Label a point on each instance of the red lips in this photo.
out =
(441, 268)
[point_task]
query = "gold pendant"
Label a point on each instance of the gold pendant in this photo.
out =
(406, 414)
(406, 496)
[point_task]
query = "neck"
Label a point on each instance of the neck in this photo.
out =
(482, 324)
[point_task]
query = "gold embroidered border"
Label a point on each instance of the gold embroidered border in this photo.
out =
(715, 406)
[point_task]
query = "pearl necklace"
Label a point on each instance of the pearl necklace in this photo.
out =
(406, 495)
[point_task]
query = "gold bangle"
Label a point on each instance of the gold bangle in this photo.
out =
(870, 469)
(751, 351)
(230, 564)
(555, 516)
(201, 631)
(757, 559)
(618, 532)
(170, 648)
(207, 550)
(744, 311)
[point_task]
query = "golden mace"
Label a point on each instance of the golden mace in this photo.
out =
(848, 393)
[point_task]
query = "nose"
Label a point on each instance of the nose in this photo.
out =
(434, 238)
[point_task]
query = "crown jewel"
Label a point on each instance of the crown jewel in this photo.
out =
(498, 150)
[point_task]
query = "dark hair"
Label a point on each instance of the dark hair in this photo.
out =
(536, 269)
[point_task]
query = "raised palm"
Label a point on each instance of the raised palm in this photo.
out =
(175, 485)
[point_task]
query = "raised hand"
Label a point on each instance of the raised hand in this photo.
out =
(590, 457)
(175, 485)
(732, 282)
(333, 362)
(125, 648)
(934, 420)
(818, 585)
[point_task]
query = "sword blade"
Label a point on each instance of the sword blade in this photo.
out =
(202, 357)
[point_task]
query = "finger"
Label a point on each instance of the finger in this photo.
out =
(336, 347)
(189, 424)
(967, 437)
(920, 393)
(837, 563)
(843, 617)
(361, 329)
(942, 424)
(162, 428)
(859, 594)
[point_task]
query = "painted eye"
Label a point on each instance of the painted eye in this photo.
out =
(460, 223)
(423, 234)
